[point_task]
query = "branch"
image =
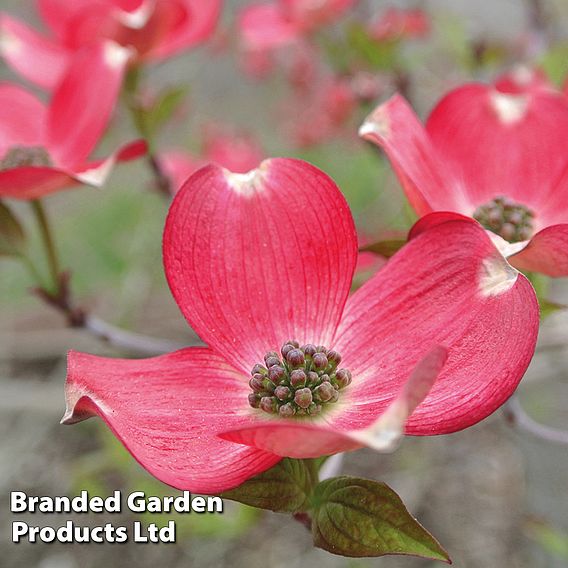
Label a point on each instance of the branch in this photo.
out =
(518, 418)
(129, 340)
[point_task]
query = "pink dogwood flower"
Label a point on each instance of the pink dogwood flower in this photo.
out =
(279, 23)
(496, 156)
(154, 29)
(397, 23)
(261, 265)
(46, 148)
(237, 152)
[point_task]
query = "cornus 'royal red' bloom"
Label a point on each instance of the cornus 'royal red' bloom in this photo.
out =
(46, 148)
(498, 157)
(154, 29)
(261, 264)
(238, 153)
(397, 23)
(272, 25)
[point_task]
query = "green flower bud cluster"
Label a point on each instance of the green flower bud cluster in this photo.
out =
(510, 220)
(25, 156)
(298, 381)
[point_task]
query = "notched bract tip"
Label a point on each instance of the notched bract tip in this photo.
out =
(250, 182)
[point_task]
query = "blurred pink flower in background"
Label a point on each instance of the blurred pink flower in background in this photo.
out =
(237, 152)
(499, 157)
(154, 29)
(272, 25)
(46, 148)
(398, 23)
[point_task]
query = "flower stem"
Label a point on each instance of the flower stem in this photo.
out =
(49, 245)
(517, 417)
(131, 86)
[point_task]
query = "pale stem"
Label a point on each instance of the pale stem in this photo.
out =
(518, 418)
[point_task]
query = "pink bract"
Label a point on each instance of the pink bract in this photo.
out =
(153, 29)
(46, 148)
(237, 152)
(436, 341)
(272, 25)
(480, 146)
(397, 23)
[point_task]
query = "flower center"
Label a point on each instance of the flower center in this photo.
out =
(25, 156)
(300, 381)
(510, 220)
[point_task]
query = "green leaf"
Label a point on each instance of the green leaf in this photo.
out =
(12, 236)
(386, 248)
(162, 110)
(555, 63)
(547, 308)
(285, 488)
(359, 517)
(550, 538)
(379, 55)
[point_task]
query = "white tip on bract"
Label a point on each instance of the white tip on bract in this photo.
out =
(117, 55)
(248, 183)
(137, 19)
(376, 124)
(509, 108)
(96, 176)
(9, 43)
(497, 276)
(386, 433)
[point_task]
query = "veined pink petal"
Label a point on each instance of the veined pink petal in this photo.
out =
(305, 439)
(397, 130)
(58, 13)
(167, 411)
(256, 259)
(547, 252)
(523, 79)
(22, 118)
(154, 24)
(36, 57)
(33, 183)
(83, 103)
(96, 173)
(437, 218)
(264, 26)
(199, 24)
(448, 286)
(502, 143)
(178, 165)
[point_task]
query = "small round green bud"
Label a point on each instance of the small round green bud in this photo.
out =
(298, 378)
(256, 383)
(259, 369)
(276, 373)
(303, 397)
(268, 404)
(324, 392)
(282, 392)
(319, 361)
(254, 400)
(334, 358)
(309, 350)
(295, 358)
(313, 378)
(343, 378)
(287, 410)
(268, 385)
(286, 348)
(314, 409)
(271, 361)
